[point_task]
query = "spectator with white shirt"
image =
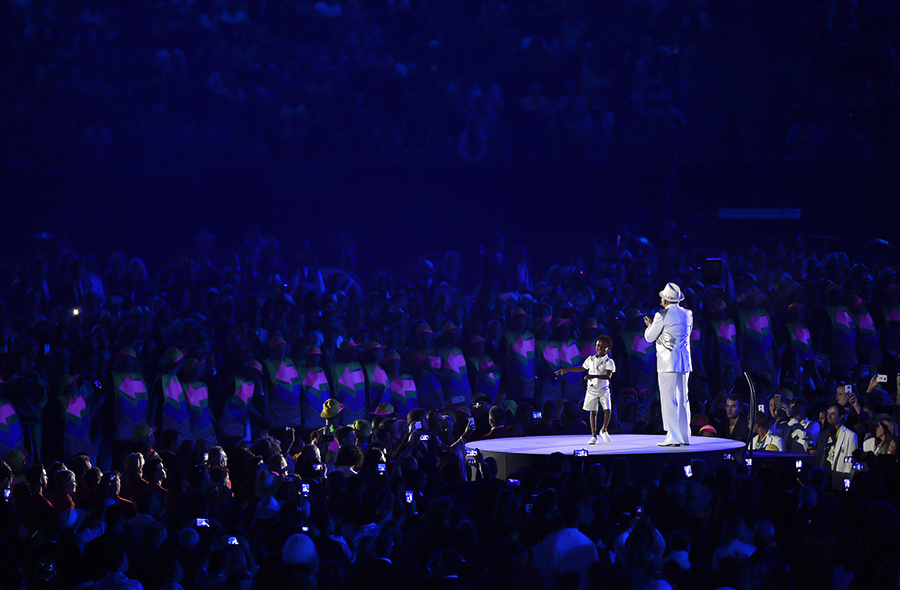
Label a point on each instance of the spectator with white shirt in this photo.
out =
(884, 439)
(765, 439)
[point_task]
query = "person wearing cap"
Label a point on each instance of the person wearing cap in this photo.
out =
(456, 383)
(197, 395)
(517, 355)
(130, 402)
(384, 411)
(325, 437)
(283, 386)
(363, 430)
(670, 330)
(377, 382)
(720, 341)
(167, 402)
(315, 388)
(708, 431)
(247, 409)
(598, 369)
(484, 374)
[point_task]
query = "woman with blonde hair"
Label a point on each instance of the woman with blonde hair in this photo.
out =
(885, 440)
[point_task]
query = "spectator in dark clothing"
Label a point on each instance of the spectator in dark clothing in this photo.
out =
(735, 425)
(571, 420)
(499, 428)
(545, 425)
(115, 536)
(381, 567)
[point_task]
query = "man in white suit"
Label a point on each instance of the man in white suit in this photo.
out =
(670, 329)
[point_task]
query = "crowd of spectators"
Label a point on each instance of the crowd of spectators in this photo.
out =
(247, 491)
(842, 82)
(186, 83)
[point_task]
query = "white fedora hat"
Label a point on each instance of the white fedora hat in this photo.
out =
(672, 293)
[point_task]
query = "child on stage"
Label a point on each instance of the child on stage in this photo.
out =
(599, 369)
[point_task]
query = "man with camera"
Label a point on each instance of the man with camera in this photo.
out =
(856, 414)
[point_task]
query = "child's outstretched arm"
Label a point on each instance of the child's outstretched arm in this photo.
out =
(570, 370)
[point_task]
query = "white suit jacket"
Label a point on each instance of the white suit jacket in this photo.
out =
(671, 331)
(844, 447)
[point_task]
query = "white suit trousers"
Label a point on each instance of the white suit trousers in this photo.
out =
(676, 411)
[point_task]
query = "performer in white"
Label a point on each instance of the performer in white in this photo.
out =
(598, 371)
(670, 329)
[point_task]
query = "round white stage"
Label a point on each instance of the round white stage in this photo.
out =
(644, 457)
(622, 444)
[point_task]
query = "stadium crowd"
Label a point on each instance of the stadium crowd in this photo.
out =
(179, 83)
(222, 423)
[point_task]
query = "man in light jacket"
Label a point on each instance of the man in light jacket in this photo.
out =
(836, 445)
(670, 329)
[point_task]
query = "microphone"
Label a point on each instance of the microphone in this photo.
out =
(648, 314)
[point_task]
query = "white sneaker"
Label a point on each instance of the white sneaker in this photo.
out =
(605, 436)
(593, 440)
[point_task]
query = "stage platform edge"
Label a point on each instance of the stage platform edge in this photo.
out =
(645, 458)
